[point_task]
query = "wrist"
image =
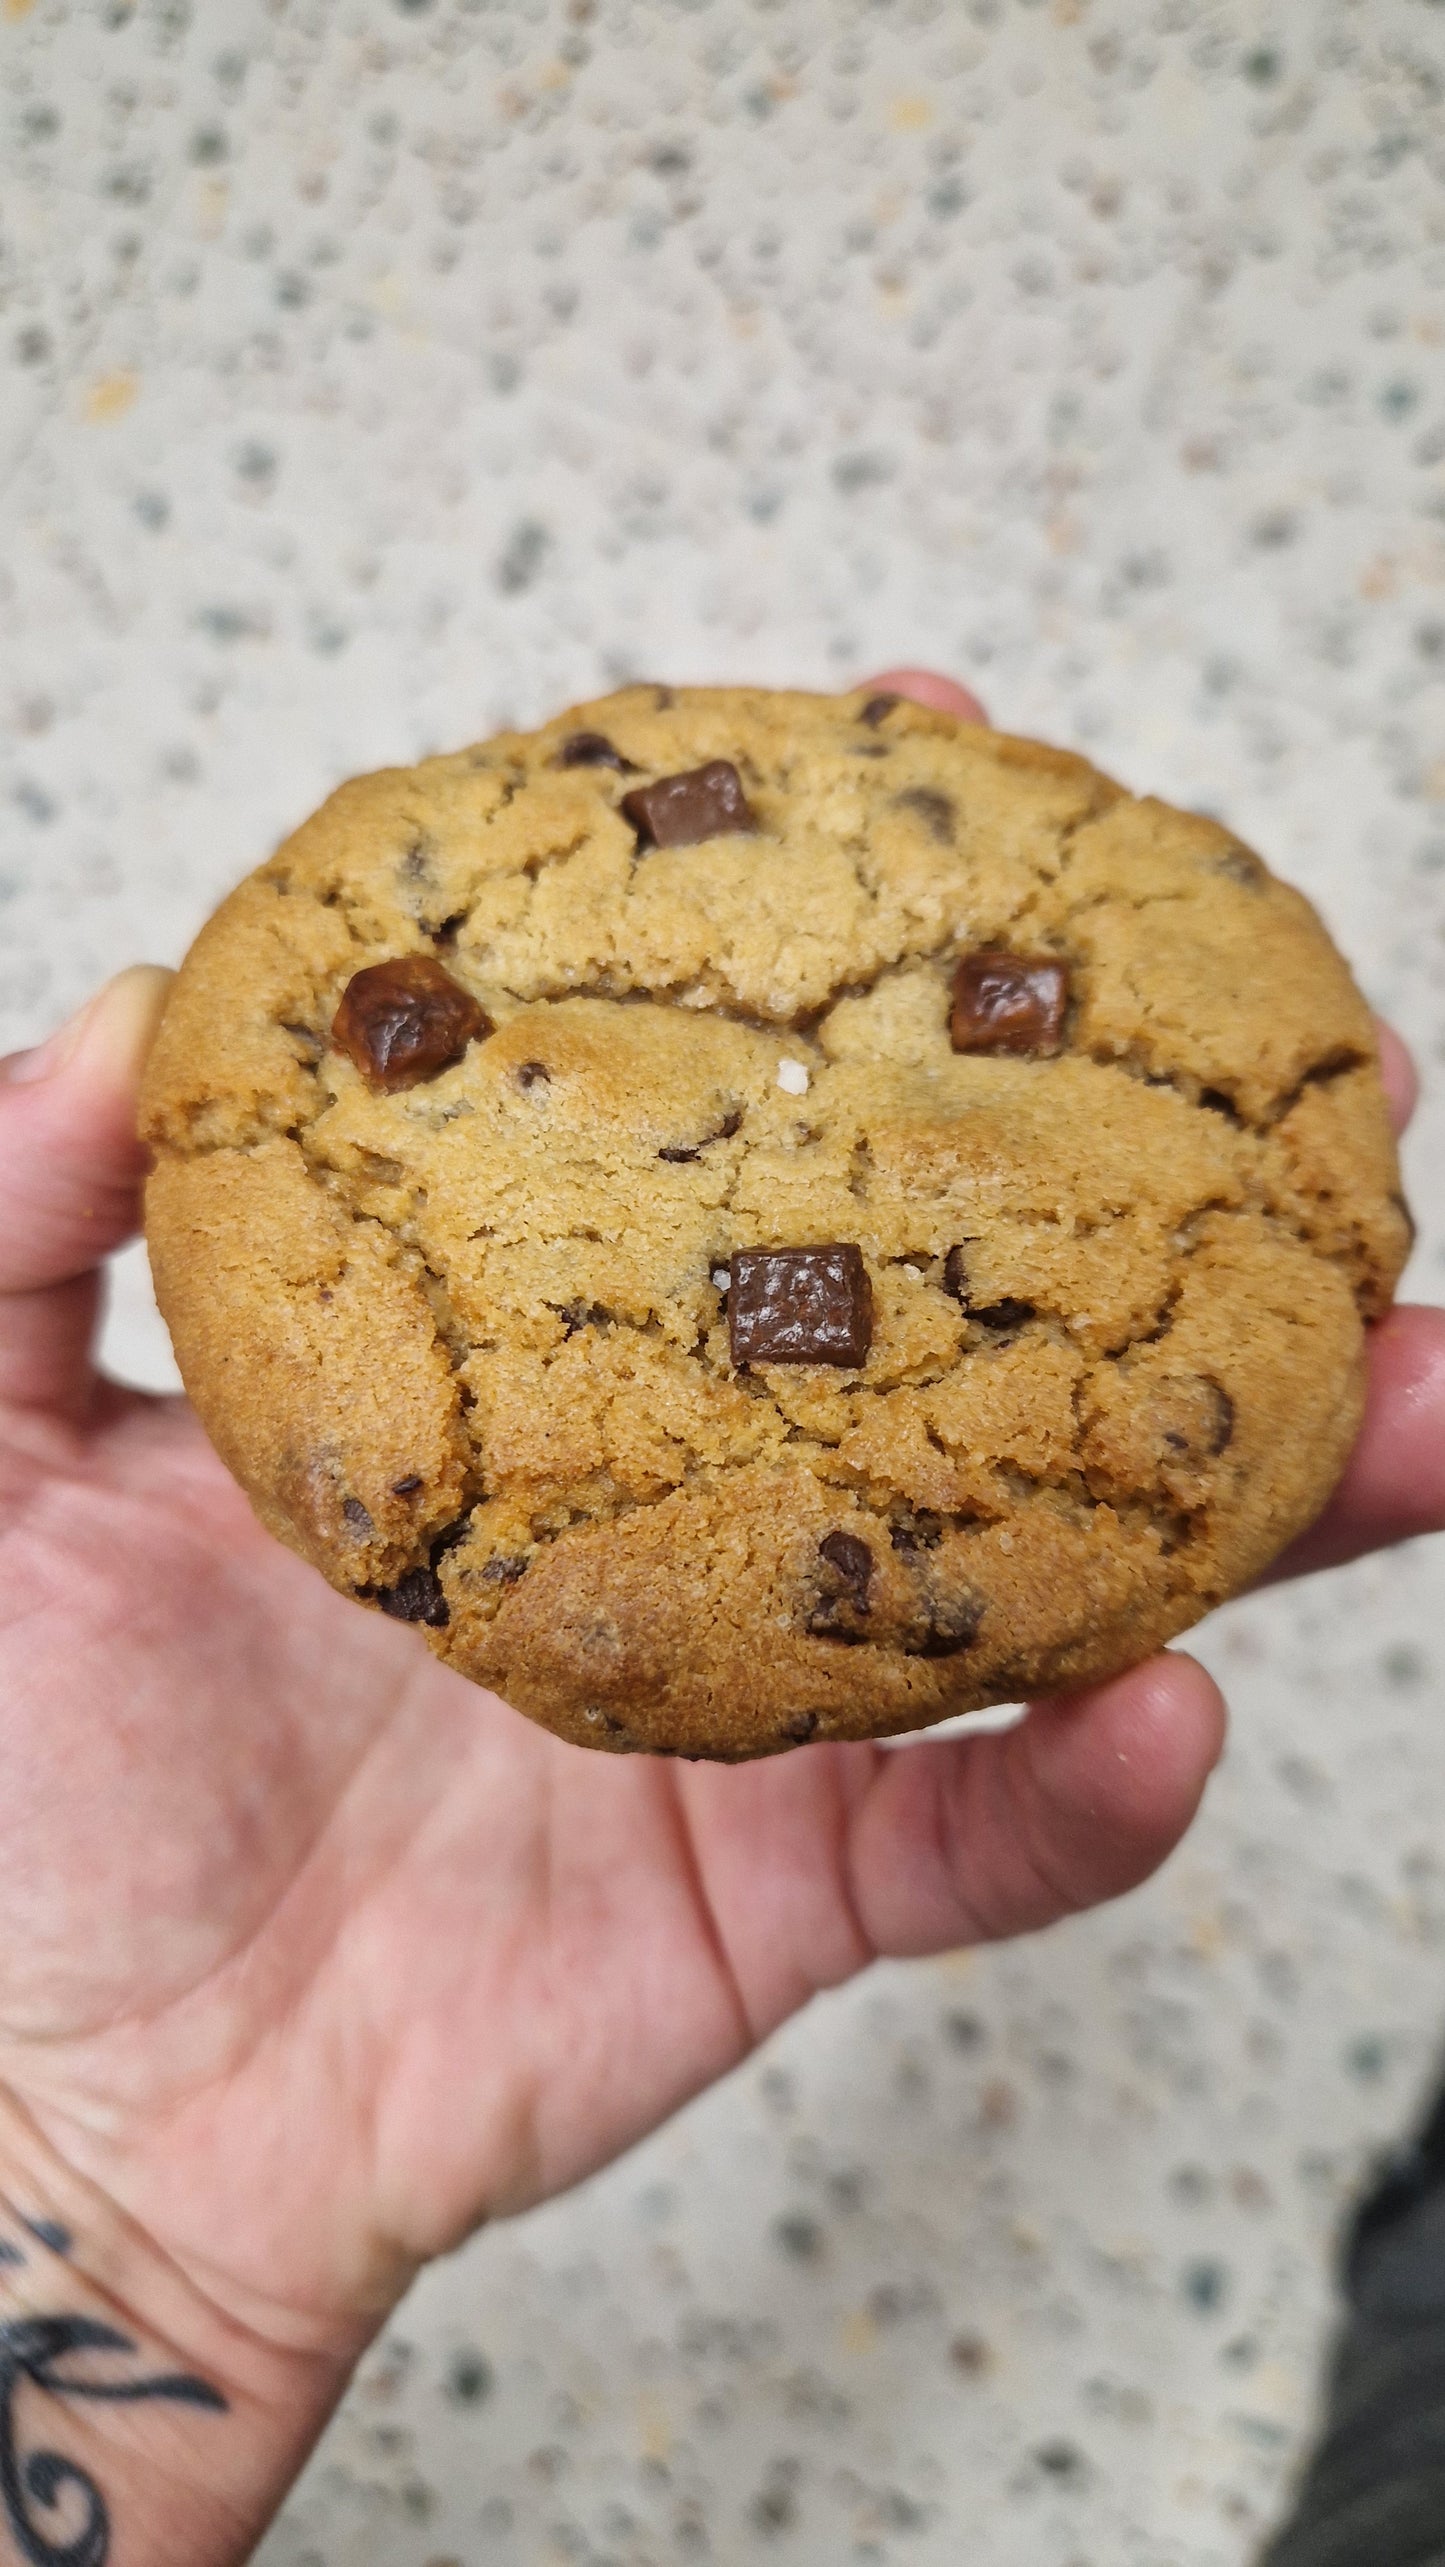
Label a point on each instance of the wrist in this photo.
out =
(140, 2425)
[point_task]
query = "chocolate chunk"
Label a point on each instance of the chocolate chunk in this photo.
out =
(800, 1305)
(403, 1021)
(800, 1729)
(504, 1568)
(534, 1074)
(358, 1520)
(1223, 1435)
(678, 1158)
(1008, 1002)
(934, 810)
(877, 709)
(593, 749)
(416, 1597)
(853, 1562)
(682, 810)
(409, 1486)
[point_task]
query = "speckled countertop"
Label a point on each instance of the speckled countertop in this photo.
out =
(372, 371)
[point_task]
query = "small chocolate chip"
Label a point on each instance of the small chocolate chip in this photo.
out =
(853, 1562)
(682, 810)
(416, 1597)
(952, 1626)
(1223, 1431)
(534, 1074)
(409, 1486)
(1006, 1002)
(504, 1569)
(800, 1305)
(934, 810)
(920, 1531)
(404, 1020)
(877, 709)
(593, 749)
(1241, 865)
(801, 1728)
(1003, 1315)
(358, 1520)
(679, 1152)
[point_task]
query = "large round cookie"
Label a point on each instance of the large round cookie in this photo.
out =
(813, 1217)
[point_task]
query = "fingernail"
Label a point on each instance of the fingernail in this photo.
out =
(119, 1021)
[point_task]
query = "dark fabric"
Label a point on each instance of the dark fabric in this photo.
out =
(1374, 2492)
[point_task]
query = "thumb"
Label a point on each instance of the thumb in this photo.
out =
(70, 1174)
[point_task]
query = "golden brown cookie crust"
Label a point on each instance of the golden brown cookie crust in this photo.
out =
(466, 1346)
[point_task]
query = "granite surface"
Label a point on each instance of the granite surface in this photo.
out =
(374, 371)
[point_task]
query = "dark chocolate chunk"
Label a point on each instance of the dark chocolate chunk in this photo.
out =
(403, 1021)
(800, 1305)
(877, 709)
(934, 810)
(409, 1486)
(534, 1074)
(682, 810)
(853, 1562)
(358, 1519)
(593, 749)
(678, 1158)
(504, 1568)
(1008, 1002)
(416, 1597)
(800, 1728)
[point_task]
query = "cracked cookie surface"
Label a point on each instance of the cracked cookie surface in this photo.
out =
(1094, 1220)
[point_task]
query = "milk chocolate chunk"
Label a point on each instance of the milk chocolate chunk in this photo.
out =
(800, 1305)
(593, 749)
(403, 1021)
(682, 810)
(1008, 1002)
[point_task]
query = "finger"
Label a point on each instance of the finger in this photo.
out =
(1398, 1074)
(1394, 1481)
(971, 1839)
(925, 686)
(70, 1175)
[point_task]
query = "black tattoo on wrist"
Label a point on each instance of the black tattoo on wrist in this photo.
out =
(36, 2482)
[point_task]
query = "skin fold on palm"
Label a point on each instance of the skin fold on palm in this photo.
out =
(311, 1955)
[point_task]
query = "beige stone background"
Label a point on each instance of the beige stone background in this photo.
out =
(372, 371)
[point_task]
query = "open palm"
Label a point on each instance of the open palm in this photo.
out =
(312, 1955)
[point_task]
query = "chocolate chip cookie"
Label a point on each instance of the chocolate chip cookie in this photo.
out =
(757, 1217)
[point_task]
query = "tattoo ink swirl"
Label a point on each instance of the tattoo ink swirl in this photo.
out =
(30, 2348)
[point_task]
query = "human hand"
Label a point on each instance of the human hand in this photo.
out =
(312, 1955)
